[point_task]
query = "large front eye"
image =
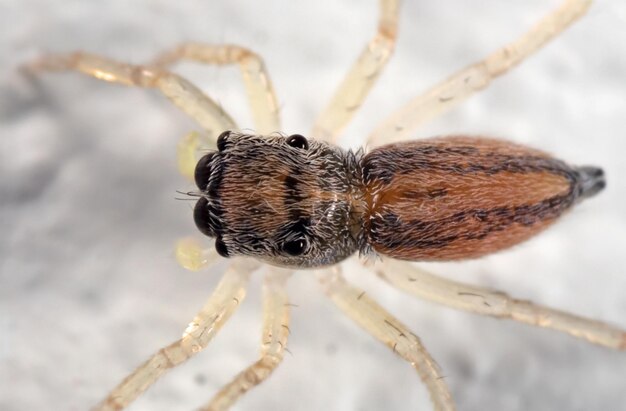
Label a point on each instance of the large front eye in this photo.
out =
(202, 217)
(298, 141)
(203, 171)
(296, 247)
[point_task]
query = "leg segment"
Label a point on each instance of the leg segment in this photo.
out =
(179, 90)
(225, 299)
(384, 327)
(361, 77)
(476, 77)
(255, 76)
(496, 304)
(274, 341)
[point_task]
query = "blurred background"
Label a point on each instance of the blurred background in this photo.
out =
(89, 287)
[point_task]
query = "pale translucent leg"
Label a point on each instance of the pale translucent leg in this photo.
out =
(229, 293)
(256, 79)
(483, 301)
(179, 90)
(273, 343)
(362, 75)
(401, 124)
(258, 85)
(384, 327)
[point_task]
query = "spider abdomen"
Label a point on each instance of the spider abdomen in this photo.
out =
(462, 197)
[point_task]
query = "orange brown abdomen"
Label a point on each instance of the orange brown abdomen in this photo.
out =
(462, 197)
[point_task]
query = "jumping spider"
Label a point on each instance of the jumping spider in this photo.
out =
(466, 229)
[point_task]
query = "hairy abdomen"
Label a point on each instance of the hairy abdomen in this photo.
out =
(463, 197)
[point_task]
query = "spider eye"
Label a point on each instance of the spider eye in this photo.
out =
(202, 217)
(203, 171)
(298, 141)
(221, 140)
(295, 247)
(220, 247)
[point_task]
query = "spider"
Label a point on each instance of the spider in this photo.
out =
(364, 299)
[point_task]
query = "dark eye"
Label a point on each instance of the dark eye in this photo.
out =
(221, 140)
(203, 171)
(295, 247)
(220, 247)
(298, 141)
(202, 217)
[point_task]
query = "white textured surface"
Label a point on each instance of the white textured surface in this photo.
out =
(88, 284)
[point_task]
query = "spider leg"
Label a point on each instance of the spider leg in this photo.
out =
(387, 329)
(256, 79)
(475, 77)
(180, 91)
(484, 301)
(261, 95)
(273, 343)
(229, 293)
(362, 75)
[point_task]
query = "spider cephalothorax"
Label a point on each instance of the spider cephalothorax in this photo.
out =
(287, 200)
